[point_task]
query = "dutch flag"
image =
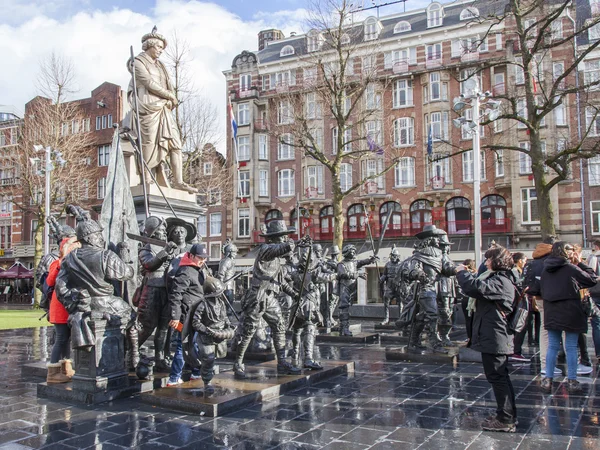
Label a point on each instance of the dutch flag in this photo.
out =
(234, 126)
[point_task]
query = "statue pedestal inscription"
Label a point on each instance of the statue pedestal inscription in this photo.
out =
(102, 368)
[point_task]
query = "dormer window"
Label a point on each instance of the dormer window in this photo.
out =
(402, 27)
(372, 29)
(287, 50)
(469, 13)
(435, 13)
(314, 41)
(345, 39)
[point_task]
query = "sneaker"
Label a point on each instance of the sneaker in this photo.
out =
(518, 358)
(584, 370)
(495, 425)
(195, 377)
(557, 372)
(546, 385)
(174, 383)
(573, 386)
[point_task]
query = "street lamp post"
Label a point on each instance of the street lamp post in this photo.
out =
(474, 96)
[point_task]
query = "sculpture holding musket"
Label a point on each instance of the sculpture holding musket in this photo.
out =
(422, 270)
(390, 285)
(260, 300)
(226, 272)
(85, 286)
(330, 302)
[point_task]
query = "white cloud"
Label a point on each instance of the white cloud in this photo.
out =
(98, 44)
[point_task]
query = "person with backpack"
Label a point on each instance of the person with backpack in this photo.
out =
(531, 274)
(520, 261)
(494, 293)
(593, 262)
(560, 283)
(60, 367)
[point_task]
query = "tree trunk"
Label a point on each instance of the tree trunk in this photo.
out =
(37, 257)
(545, 208)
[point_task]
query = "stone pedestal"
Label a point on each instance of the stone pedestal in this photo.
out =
(102, 368)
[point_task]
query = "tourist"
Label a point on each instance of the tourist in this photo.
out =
(494, 293)
(60, 368)
(560, 283)
(464, 301)
(584, 367)
(519, 260)
(531, 274)
(185, 289)
(594, 262)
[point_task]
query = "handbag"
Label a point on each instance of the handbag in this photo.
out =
(516, 320)
(589, 307)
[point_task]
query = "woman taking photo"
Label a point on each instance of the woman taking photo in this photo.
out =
(563, 277)
(494, 293)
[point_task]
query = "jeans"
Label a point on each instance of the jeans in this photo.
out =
(496, 372)
(543, 333)
(178, 363)
(595, 321)
(62, 343)
(570, 349)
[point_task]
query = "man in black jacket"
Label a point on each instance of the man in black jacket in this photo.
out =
(185, 289)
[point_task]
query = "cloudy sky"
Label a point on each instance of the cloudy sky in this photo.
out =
(96, 35)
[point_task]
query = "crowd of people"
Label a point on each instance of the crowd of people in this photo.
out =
(562, 295)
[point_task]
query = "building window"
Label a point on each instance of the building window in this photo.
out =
(285, 147)
(529, 206)
(243, 114)
(284, 112)
(369, 64)
(285, 183)
(522, 112)
(493, 212)
(287, 50)
(263, 149)
(103, 155)
(439, 125)
(244, 186)
(592, 121)
(467, 163)
(215, 251)
(395, 221)
(595, 216)
(469, 13)
(214, 196)
(435, 14)
(519, 72)
(313, 41)
(273, 214)
(371, 168)
(84, 189)
(64, 129)
(592, 74)
(313, 109)
(215, 224)
(356, 218)
(372, 29)
(243, 148)
(243, 222)
(98, 123)
(405, 172)
(435, 89)
(326, 220)
(374, 137)
(347, 145)
(594, 171)
(420, 215)
(101, 188)
(524, 159)
(404, 132)
(34, 225)
(345, 176)
(458, 215)
(440, 169)
(560, 114)
(499, 163)
(263, 183)
(207, 168)
(245, 82)
(372, 99)
(402, 27)
(202, 226)
(310, 75)
(314, 179)
(434, 52)
(402, 94)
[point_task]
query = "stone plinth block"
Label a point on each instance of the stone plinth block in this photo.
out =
(356, 338)
(399, 337)
(354, 328)
(403, 354)
(262, 384)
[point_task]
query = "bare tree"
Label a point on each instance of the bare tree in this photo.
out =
(196, 116)
(55, 123)
(340, 87)
(209, 173)
(547, 53)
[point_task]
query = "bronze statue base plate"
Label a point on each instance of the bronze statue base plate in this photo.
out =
(402, 353)
(356, 338)
(231, 394)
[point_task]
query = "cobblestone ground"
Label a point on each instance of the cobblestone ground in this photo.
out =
(384, 405)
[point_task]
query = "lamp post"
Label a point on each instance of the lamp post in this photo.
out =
(473, 97)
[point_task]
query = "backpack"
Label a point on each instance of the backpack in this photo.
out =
(46, 292)
(516, 319)
(531, 277)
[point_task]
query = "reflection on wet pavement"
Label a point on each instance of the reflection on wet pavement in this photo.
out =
(384, 405)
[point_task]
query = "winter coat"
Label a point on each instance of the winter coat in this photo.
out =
(57, 313)
(494, 299)
(185, 288)
(533, 269)
(560, 283)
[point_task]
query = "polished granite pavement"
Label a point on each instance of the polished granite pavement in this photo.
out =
(385, 405)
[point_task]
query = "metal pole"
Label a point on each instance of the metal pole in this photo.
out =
(47, 203)
(476, 181)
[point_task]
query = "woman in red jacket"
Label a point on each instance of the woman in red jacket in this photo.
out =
(60, 369)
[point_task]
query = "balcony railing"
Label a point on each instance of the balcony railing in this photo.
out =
(251, 91)
(433, 61)
(469, 56)
(400, 67)
(261, 125)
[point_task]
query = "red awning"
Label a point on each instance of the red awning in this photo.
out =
(16, 271)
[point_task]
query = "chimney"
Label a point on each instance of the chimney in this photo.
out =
(267, 36)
